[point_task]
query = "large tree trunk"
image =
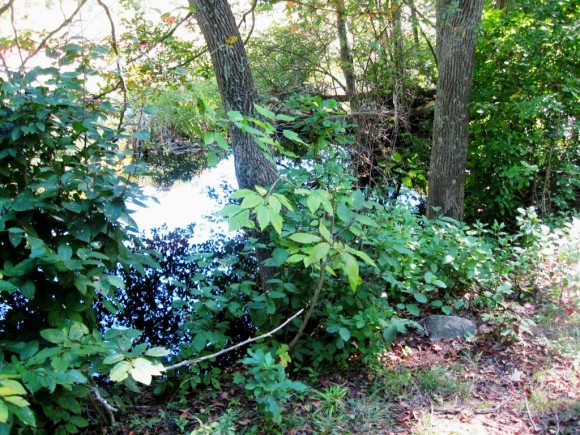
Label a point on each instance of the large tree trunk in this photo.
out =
(236, 85)
(254, 166)
(457, 23)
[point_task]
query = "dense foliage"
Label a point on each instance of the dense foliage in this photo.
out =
(88, 304)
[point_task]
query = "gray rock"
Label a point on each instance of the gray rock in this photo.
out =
(449, 327)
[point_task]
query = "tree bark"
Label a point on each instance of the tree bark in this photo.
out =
(457, 24)
(253, 164)
(346, 59)
(217, 23)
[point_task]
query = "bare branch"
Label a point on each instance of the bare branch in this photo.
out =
(6, 6)
(229, 349)
(65, 23)
(252, 12)
(115, 47)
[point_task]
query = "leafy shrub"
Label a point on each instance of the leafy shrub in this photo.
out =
(64, 226)
(265, 380)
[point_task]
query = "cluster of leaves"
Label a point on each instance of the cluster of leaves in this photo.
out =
(265, 380)
(525, 112)
(64, 226)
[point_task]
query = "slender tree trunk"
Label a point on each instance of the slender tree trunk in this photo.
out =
(346, 60)
(457, 25)
(236, 85)
(254, 166)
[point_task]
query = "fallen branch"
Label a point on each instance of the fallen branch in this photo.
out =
(191, 362)
(457, 410)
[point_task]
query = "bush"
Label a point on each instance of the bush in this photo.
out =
(64, 227)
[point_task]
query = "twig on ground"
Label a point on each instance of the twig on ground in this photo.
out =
(530, 415)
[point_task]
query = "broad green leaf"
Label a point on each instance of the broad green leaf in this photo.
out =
(261, 190)
(325, 233)
(235, 116)
(344, 334)
(358, 199)
(10, 387)
(26, 416)
(264, 215)
(296, 258)
(120, 371)
(114, 359)
(430, 278)
(251, 201)
(351, 269)
(208, 138)
(275, 204)
(265, 112)
(65, 251)
(292, 135)
(344, 213)
(439, 283)
(413, 309)
(319, 252)
(304, 238)
(420, 297)
(55, 336)
(277, 221)
(3, 412)
(17, 400)
(313, 201)
(6, 286)
(157, 351)
(143, 370)
(221, 141)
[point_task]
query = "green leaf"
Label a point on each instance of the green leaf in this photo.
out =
(263, 214)
(439, 283)
(421, 298)
(265, 112)
(55, 336)
(351, 269)
(114, 359)
(157, 351)
(17, 400)
(292, 135)
(120, 371)
(319, 252)
(10, 387)
(344, 334)
(143, 370)
(304, 238)
(325, 233)
(413, 309)
(313, 202)
(26, 416)
(251, 201)
(221, 141)
(447, 310)
(277, 222)
(65, 251)
(235, 116)
(296, 258)
(3, 412)
(6, 286)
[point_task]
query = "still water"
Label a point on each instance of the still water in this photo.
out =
(188, 202)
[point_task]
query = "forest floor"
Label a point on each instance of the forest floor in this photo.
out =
(490, 385)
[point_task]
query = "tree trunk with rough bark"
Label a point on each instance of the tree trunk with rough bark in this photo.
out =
(254, 166)
(457, 25)
(236, 85)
